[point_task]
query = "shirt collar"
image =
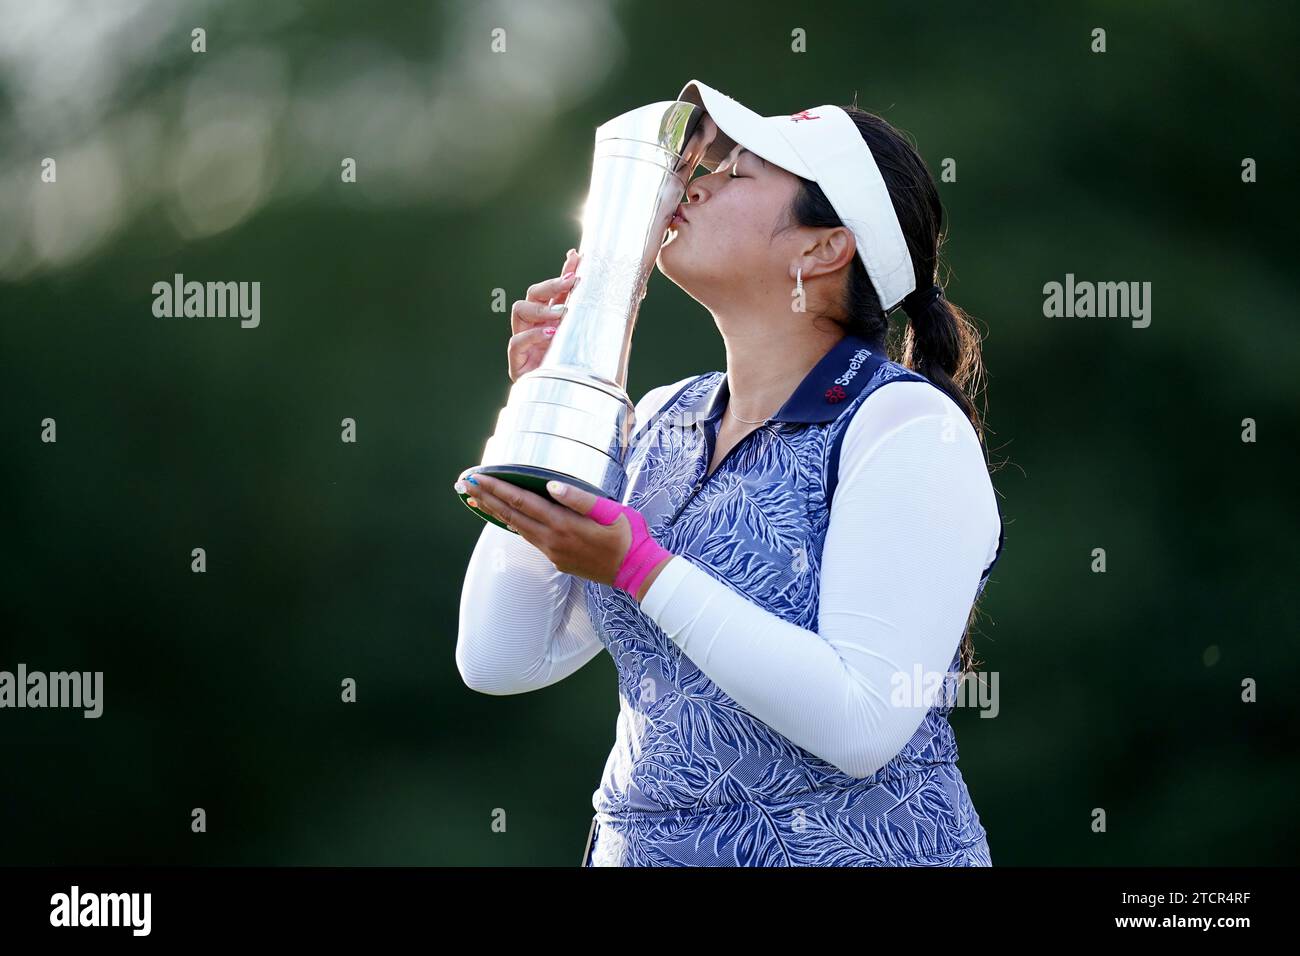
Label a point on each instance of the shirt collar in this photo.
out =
(837, 378)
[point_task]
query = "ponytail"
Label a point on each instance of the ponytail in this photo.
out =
(942, 343)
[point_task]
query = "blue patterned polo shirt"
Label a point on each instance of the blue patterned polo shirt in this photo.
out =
(695, 780)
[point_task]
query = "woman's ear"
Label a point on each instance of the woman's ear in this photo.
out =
(835, 250)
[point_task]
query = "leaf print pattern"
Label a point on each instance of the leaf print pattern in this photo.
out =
(693, 778)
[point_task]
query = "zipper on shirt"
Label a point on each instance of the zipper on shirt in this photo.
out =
(687, 500)
(711, 441)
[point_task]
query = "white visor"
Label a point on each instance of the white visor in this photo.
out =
(822, 144)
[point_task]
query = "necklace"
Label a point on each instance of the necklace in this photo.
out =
(745, 420)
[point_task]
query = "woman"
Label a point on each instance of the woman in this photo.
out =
(799, 548)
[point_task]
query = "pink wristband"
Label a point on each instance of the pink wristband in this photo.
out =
(643, 555)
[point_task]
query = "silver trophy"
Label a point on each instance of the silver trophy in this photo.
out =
(570, 418)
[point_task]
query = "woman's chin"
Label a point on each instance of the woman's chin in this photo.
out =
(668, 253)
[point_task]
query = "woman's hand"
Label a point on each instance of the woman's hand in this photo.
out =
(534, 319)
(571, 539)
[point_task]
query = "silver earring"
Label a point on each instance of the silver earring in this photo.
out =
(798, 281)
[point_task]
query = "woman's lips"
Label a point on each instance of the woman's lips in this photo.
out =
(678, 216)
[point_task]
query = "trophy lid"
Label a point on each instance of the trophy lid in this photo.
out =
(667, 124)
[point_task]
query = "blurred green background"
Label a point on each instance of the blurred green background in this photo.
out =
(329, 560)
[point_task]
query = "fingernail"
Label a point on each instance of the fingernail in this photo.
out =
(571, 252)
(549, 330)
(556, 488)
(557, 308)
(568, 275)
(472, 479)
(473, 503)
(459, 486)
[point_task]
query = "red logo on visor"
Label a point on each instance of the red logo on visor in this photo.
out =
(802, 115)
(835, 394)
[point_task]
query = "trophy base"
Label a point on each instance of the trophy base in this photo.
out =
(559, 424)
(526, 477)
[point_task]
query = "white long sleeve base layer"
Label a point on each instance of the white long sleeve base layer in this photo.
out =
(913, 524)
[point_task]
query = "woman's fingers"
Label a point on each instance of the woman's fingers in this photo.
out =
(527, 349)
(523, 510)
(550, 290)
(533, 319)
(570, 267)
(526, 314)
(556, 289)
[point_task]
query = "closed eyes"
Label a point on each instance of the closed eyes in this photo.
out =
(731, 172)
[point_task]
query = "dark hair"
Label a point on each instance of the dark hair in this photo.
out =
(942, 344)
